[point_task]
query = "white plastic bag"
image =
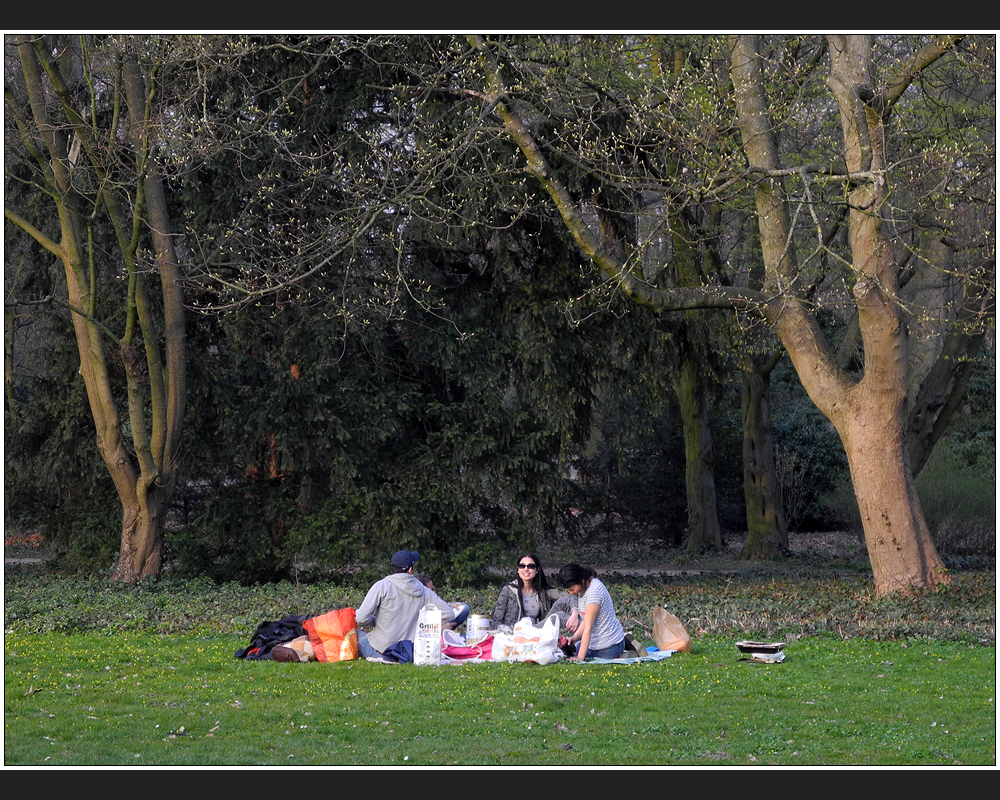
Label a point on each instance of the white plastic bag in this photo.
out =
(427, 640)
(503, 645)
(539, 644)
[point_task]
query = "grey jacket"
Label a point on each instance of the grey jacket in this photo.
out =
(509, 609)
(392, 605)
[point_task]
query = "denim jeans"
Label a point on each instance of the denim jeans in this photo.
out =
(613, 651)
(365, 650)
(461, 613)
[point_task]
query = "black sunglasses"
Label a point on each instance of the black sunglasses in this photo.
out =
(527, 566)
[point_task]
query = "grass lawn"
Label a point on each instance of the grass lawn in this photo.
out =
(154, 699)
(98, 673)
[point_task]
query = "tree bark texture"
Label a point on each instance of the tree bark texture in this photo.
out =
(767, 533)
(704, 532)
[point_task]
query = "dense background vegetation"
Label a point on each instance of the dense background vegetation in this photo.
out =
(456, 379)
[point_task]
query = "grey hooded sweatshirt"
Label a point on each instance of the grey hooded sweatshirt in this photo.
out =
(393, 605)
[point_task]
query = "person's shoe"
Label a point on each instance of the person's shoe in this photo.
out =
(279, 653)
(632, 644)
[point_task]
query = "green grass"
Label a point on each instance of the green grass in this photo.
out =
(151, 699)
(103, 674)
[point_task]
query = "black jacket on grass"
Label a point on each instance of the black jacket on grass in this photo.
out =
(270, 634)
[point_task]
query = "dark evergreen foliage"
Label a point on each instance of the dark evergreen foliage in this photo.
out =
(451, 376)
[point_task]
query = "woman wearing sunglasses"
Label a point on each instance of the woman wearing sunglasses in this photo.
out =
(529, 595)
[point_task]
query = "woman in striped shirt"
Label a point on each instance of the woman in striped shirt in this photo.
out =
(600, 634)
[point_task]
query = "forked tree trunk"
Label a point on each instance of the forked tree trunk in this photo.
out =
(872, 421)
(868, 414)
(144, 478)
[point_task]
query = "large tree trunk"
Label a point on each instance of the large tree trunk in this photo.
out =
(767, 534)
(868, 414)
(141, 551)
(872, 421)
(699, 456)
(899, 543)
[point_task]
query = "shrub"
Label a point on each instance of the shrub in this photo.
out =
(238, 536)
(959, 501)
(810, 461)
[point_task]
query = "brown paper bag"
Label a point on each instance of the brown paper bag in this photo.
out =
(668, 633)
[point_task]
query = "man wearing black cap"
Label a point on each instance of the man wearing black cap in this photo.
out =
(393, 604)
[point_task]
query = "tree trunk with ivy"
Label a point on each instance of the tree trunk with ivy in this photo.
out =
(704, 532)
(767, 533)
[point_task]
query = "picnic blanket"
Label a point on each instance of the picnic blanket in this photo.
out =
(652, 656)
(655, 655)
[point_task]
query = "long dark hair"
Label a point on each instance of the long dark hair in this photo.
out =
(574, 575)
(539, 584)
